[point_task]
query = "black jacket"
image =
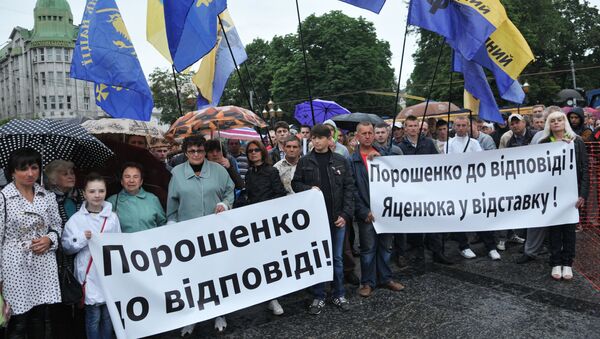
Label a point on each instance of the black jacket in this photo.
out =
(362, 203)
(581, 159)
(426, 146)
(263, 183)
(275, 154)
(582, 130)
(340, 178)
(512, 142)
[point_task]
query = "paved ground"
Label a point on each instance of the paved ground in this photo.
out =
(472, 299)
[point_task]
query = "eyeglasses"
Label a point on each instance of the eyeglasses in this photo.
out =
(253, 150)
(196, 151)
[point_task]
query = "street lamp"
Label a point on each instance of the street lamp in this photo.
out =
(271, 114)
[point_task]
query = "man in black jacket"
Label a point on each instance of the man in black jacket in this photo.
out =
(330, 173)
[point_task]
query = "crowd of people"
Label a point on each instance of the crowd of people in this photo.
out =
(45, 229)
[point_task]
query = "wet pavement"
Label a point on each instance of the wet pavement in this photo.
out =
(476, 298)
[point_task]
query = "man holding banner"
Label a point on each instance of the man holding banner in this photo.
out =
(375, 249)
(329, 172)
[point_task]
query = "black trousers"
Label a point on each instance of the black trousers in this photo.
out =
(29, 325)
(487, 238)
(68, 322)
(431, 241)
(562, 245)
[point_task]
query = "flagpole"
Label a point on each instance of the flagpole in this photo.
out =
(450, 99)
(396, 105)
(258, 99)
(312, 110)
(431, 88)
(237, 69)
(177, 90)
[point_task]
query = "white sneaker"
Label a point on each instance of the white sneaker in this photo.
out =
(275, 307)
(467, 253)
(187, 330)
(494, 255)
(220, 324)
(556, 273)
(567, 273)
(501, 246)
(516, 239)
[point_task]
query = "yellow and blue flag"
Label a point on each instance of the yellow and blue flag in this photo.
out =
(476, 85)
(156, 32)
(217, 66)
(371, 5)
(104, 54)
(467, 23)
(191, 29)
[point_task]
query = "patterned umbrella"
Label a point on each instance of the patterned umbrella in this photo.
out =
(433, 108)
(213, 118)
(54, 140)
(122, 126)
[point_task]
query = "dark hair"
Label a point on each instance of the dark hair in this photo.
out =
(140, 136)
(211, 145)
(20, 159)
(281, 124)
(131, 164)
(440, 123)
(263, 152)
(291, 138)
(411, 118)
(194, 140)
(304, 126)
(320, 130)
(381, 125)
(93, 176)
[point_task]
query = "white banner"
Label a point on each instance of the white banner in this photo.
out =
(172, 276)
(530, 186)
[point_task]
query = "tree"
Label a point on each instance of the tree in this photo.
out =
(344, 58)
(165, 94)
(560, 31)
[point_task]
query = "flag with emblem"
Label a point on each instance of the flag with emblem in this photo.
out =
(104, 54)
(371, 5)
(191, 29)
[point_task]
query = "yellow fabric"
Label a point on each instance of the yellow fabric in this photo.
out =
(509, 49)
(470, 102)
(491, 10)
(156, 32)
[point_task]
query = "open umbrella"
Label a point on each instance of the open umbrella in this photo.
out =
(434, 108)
(215, 119)
(54, 140)
(122, 126)
(323, 110)
(350, 121)
(244, 133)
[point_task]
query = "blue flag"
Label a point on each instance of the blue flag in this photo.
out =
(191, 29)
(371, 5)
(477, 85)
(104, 54)
(217, 66)
(467, 23)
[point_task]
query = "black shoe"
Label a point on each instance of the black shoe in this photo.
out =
(401, 261)
(524, 259)
(440, 258)
(351, 279)
(316, 307)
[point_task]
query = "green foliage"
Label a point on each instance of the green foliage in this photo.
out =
(165, 96)
(556, 31)
(344, 58)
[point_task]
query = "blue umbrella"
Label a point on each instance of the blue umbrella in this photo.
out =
(323, 110)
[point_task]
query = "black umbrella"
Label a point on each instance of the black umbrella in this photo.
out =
(350, 121)
(568, 94)
(54, 140)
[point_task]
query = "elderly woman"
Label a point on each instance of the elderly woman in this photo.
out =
(197, 188)
(562, 237)
(30, 229)
(263, 183)
(67, 320)
(137, 209)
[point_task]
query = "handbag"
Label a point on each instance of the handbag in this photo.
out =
(70, 288)
(87, 271)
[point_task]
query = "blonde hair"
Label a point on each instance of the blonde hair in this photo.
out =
(56, 166)
(554, 115)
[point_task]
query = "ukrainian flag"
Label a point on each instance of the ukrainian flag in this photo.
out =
(156, 32)
(217, 66)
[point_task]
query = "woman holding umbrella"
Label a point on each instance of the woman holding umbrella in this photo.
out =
(30, 229)
(562, 237)
(68, 321)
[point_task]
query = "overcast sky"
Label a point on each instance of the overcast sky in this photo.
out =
(253, 18)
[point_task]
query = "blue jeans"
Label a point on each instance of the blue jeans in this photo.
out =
(375, 254)
(97, 322)
(337, 244)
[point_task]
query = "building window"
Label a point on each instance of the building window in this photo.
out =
(61, 102)
(52, 102)
(42, 55)
(50, 54)
(45, 102)
(68, 102)
(68, 78)
(43, 77)
(51, 80)
(60, 78)
(86, 103)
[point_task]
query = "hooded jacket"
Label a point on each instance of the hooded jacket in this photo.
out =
(582, 130)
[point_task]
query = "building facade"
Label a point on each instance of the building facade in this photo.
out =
(35, 80)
